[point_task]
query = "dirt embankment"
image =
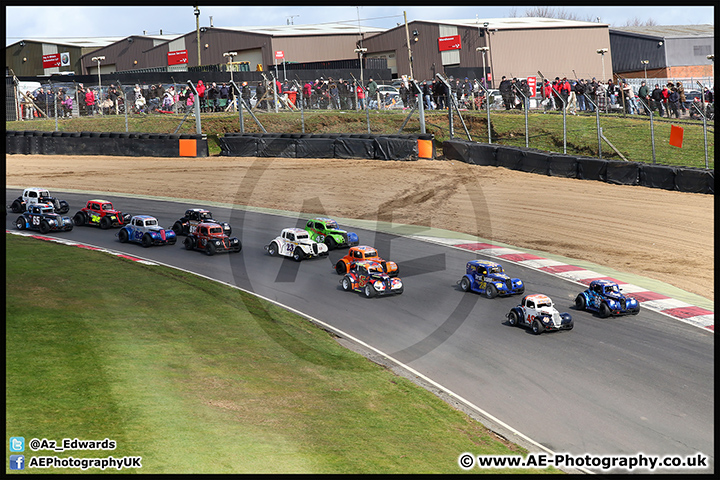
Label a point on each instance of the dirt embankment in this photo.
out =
(664, 235)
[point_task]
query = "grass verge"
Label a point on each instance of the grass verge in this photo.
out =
(190, 375)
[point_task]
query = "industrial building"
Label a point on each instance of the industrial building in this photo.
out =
(663, 51)
(493, 47)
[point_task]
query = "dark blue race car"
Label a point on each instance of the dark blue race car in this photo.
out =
(490, 279)
(605, 298)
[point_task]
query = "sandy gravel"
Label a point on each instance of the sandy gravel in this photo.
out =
(664, 235)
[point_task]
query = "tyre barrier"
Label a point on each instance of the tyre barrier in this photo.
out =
(105, 143)
(328, 145)
(682, 179)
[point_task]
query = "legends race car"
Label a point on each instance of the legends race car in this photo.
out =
(146, 230)
(209, 237)
(325, 230)
(102, 213)
(490, 279)
(370, 279)
(605, 297)
(193, 217)
(364, 252)
(42, 217)
(538, 313)
(35, 195)
(295, 243)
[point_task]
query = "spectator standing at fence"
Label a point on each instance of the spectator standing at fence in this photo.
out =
(506, 92)
(189, 97)
(525, 89)
(259, 94)
(168, 100)
(590, 90)
(681, 93)
(657, 99)
(224, 94)
(644, 95)
(427, 95)
(334, 95)
(90, 101)
(67, 105)
(360, 96)
(372, 88)
(579, 88)
(80, 96)
(212, 93)
(245, 94)
(307, 94)
(673, 103)
(629, 97)
(201, 95)
(601, 96)
(666, 103)
(113, 97)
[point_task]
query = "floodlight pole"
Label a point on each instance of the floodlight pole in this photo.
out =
(99, 59)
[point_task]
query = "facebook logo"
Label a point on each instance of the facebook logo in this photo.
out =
(17, 444)
(17, 462)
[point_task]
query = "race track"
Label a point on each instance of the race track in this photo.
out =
(624, 385)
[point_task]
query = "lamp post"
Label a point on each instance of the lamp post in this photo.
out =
(602, 52)
(231, 55)
(98, 60)
(197, 30)
(645, 63)
(360, 52)
(483, 50)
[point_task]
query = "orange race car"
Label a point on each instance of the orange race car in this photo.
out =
(364, 252)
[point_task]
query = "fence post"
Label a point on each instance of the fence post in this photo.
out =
(652, 127)
(526, 105)
(196, 104)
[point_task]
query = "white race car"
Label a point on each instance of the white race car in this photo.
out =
(539, 313)
(296, 243)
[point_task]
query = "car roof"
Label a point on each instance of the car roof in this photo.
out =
(538, 297)
(363, 248)
(198, 210)
(294, 230)
(100, 201)
(208, 224)
(324, 219)
(36, 189)
(145, 217)
(602, 282)
(484, 263)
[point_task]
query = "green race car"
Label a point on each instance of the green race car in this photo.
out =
(325, 230)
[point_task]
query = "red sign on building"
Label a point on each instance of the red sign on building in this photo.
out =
(279, 54)
(52, 60)
(177, 57)
(449, 43)
(532, 84)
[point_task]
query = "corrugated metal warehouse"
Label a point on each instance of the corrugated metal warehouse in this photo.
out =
(517, 47)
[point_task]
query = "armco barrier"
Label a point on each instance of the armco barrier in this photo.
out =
(105, 143)
(683, 179)
(329, 145)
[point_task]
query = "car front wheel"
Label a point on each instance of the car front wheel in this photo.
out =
(491, 291)
(605, 310)
(44, 226)
(536, 327)
(580, 302)
(79, 219)
(147, 240)
(513, 319)
(369, 291)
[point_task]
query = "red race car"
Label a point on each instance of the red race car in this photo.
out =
(102, 213)
(209, 237)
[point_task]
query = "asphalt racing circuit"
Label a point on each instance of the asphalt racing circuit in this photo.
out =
(615, 386)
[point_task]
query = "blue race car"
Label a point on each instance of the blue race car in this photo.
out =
(42, 216)
(490, 279)
(604, 297)
(146, 230)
